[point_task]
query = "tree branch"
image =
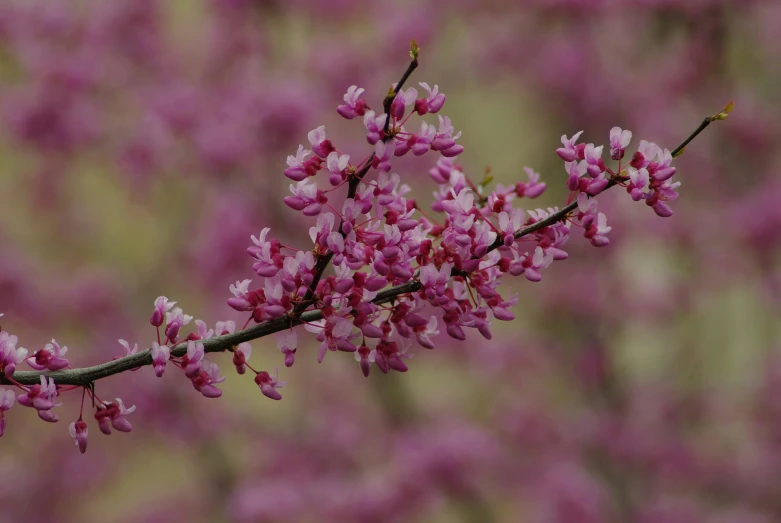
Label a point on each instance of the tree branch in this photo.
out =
(85, 376)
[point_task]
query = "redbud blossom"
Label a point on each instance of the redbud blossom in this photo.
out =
(353, 105)
(570, 152)
(160, 355)
(49, 358)
(287, 341)
(10, 354)
(241, 355)
(162, 306)
(619, 139)
(78, 431)
(268, 384)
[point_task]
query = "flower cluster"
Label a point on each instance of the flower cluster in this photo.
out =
(399, 273)
(380, 239)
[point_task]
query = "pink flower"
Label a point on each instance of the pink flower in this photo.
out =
(192, 360)
(175, 320)
(202, 331)
(432, 103)
(336, 164)
(509, 224)
(445, 142)
(78, 431)
(531, 265)
(501, 309)
(533, 188)
(287, 341)
(49, 358)
(593, 157)
(401, 101)
(241, 298)
(353, 105)
(575, 171)
(160, 355)
(204, 381)
(266, 253)
(240, 356)
(619, 139)
(571, 152)
(365, 357)
(162, 306)
(128, 350)
(306, 197)
(638, 182)
(375, 125)
(10, 354)
(320, 145)
(224, 327)
(297, 165)
(268, 385)
(41, 397)
(383, 151)
(426, 332)
(113, 415)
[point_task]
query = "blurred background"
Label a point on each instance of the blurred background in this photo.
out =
(142, 142)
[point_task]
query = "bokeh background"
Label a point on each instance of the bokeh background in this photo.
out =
(143, 141)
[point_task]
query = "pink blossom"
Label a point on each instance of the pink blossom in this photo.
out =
(509, 224)
(266, 253)
(10, 354)
(321, 146)
(619, 140)
(403, 99)
(365, 357)
(241, 296)
(175, 320)
(531, 189)
(268, 384)
(531, 264)
(638, 182)
(49, 358)
(287, 342)
(571, 152)
(336, 162)
(41, 397)
(375, 125)
(593, 159)
(383, 151)
(113, 415)
(426, 332)
(241, 354)
(128, 350)
(306, 197)
(160, 355)
(297, 165)
(224, 327)
(162, 306)
(432, 103)
(78, 431)
(202, 331)
(575, 171)
(445, 142)
(353, 105)
(204, 380)
(193, 358)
